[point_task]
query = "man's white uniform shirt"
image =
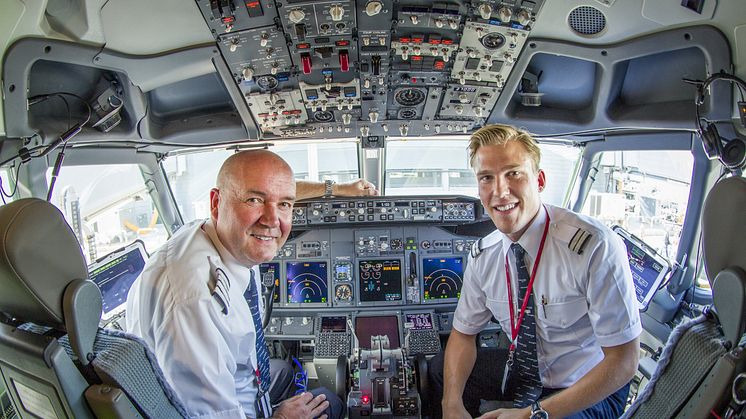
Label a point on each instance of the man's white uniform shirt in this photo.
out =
(583, 301)
(207, 356)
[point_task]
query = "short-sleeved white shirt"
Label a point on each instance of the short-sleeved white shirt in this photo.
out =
(207, 355)
(583, 301)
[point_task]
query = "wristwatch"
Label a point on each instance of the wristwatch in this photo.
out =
(328, 192)
(537, 412)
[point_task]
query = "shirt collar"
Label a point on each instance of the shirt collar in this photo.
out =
(227, 258)
(531, 238)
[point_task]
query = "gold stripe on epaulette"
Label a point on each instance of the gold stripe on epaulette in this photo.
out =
(579, 241)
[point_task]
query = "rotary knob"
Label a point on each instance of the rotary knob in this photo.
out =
(296, 15)
(361, 211)
(373, 8)
(336, 12)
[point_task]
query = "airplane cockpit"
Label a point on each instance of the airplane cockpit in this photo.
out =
(120, 114)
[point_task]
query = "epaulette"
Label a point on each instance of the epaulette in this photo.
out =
(476, 248)
(483, 243)
(220, 291)
(579, 240)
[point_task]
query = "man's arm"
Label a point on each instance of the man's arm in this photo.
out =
(311, 189)
(460, 356)
(614, 371)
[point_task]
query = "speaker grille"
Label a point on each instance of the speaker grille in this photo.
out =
(587, 20)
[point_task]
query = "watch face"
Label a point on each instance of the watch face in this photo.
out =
(540, 414)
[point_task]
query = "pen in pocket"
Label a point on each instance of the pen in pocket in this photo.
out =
(544, 305)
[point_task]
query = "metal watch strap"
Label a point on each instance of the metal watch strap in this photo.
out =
(537, 412)
(328, 191)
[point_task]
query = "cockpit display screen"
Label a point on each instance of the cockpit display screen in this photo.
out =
(380, 280)
(418, 321)
(115, 274)
(271, 272)
(307, 282)
(443, 277)
(648, 268)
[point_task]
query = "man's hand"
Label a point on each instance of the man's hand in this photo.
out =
(302, 406)
(360, 187)
(507, 414)
(455, 410)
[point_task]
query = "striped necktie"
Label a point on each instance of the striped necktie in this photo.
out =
(526, 368)
(262, 355)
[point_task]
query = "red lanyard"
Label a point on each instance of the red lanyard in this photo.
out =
(515, 326)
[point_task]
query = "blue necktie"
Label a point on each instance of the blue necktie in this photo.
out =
(262, 355)
(526, 367)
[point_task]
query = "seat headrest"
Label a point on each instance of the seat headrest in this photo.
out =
(724, 226)
(39, 257)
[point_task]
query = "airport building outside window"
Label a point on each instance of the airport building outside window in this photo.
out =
(645, 192)
(192, 175)
(437, 167)
(108, 207)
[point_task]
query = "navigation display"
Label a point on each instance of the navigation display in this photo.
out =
(306, 282)
(648, 268)
(114, 276)
(443, 277)
(380, 280)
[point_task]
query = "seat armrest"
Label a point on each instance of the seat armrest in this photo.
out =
(110, 402)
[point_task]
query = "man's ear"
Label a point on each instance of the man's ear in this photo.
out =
(542, 178)
(214, 203)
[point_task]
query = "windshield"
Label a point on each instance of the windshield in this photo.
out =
(192, 175)
(432, 167)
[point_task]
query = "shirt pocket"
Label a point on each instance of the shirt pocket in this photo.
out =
(501, 311)
(562, 315)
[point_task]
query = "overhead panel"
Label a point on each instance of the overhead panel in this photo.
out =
(369, 67)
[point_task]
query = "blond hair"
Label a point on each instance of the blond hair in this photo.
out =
(500, 135)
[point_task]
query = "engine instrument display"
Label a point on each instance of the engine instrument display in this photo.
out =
(443, 277)
(380, 280)
(307, 282)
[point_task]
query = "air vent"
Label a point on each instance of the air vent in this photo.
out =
(587, 20)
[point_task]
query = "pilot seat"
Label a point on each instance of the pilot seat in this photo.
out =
(55, 360)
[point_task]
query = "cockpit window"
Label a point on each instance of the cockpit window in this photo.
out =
(192, 175)
(8, 177)
(431, 167)
(108, 207)
(646, 192)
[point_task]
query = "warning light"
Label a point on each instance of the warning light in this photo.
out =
(366, 399)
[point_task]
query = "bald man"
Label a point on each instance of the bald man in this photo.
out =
(189, 306)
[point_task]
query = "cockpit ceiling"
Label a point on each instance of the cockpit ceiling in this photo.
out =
(201, 72)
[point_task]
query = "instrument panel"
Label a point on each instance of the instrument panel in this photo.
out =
(346, 68)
